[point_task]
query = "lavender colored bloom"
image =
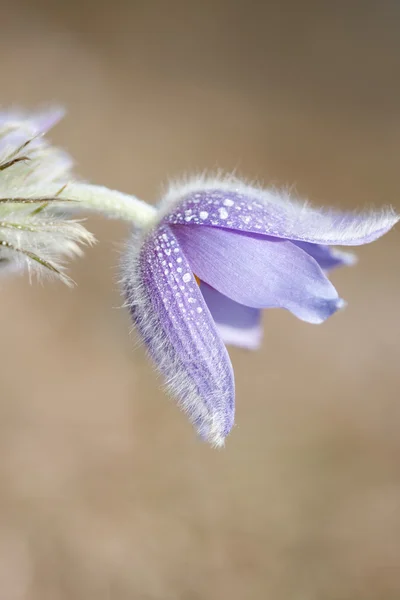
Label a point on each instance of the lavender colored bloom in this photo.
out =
(220, 252)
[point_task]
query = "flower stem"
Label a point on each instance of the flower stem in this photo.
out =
(109, 202)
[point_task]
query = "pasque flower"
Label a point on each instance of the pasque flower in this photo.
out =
(32, 234)
(219, 252)
(199, 268)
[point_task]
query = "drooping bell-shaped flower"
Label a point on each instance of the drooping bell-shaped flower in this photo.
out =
(199, 269)
(218, 252)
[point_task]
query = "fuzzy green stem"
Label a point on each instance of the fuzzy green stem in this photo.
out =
(109, 202)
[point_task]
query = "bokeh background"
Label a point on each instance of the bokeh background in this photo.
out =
(105, 492)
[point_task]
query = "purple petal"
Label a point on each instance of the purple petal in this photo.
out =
(259, 272)
(234, 205)
(328, 258)
(21, 135)
(237, 324)
(34, 123)
(174, 322)
(43, 121)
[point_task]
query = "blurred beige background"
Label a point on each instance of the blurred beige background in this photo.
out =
(105, 492)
